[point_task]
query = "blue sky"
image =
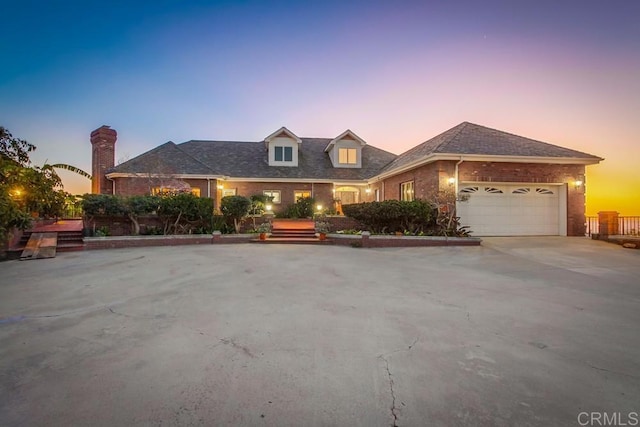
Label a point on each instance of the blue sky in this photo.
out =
(396, 73)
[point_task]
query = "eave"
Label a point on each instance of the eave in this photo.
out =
(488, 158)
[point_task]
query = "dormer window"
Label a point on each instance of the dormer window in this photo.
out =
(283, 154)
(345, 151)
(347, 156)
(282, 148)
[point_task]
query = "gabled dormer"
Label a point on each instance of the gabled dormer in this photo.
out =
(345, 150)
(282, 146)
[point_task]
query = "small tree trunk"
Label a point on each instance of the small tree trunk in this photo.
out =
(135, 225)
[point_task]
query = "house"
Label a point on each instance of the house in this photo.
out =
(505, 184)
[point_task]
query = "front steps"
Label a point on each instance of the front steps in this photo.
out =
(293, 231)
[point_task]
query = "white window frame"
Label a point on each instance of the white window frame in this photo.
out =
(348, 156)
(228, 192)
(284, 149)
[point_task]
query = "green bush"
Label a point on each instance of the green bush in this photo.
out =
(303, 208)
(393, 215)
(235, 208)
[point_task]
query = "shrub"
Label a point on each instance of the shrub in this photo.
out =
(235, 208)
(303, 208)
(393, 215)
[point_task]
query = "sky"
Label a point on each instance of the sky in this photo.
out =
(397, 73)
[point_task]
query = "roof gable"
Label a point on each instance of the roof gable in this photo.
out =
(283, 131)
(346, 135)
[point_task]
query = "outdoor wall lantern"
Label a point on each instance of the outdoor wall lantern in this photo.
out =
(368, 190)
(319, 207)
(578, 183)
(451, 181)
(268, 207)
(220, 187)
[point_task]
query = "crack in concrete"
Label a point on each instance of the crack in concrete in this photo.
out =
(383, 357)
(154, 317)
(393, 393)
(597, 368)
(235, 345)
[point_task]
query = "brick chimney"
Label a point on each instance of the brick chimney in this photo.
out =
(103, 142)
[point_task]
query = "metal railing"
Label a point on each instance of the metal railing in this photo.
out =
(627, 225)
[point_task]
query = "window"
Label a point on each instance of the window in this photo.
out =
(274, 194)
(283, 154)
(347, 156)
(492, 190)
(195, 192)
(228, 192)
(300, 194)
(160, 191)
(406, 191)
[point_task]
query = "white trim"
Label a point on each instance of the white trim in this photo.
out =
(484, 158)
(285, 130)
(300, 180)
(342, 135)
(161, 175)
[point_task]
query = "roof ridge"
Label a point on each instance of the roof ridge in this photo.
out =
(538, 141)
(154, 149)
(453, 137)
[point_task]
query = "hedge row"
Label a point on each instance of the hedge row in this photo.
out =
(394, 215)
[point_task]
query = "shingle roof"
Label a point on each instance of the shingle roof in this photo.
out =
(167, 158)
(249, 160)
(237, 159)
(469, 138)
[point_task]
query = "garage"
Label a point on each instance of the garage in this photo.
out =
(492, 209)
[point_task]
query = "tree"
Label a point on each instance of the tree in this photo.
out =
(235, 208)
(135, 206)
(14, 156)
(25, 189)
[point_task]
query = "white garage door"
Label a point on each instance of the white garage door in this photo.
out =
(511, 210)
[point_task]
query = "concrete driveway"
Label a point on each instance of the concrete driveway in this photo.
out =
(520, 331)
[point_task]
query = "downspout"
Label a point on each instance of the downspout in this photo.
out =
(113, 185)
(457, 176)
(209, 187)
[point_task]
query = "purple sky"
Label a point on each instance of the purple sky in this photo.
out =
(396, 73)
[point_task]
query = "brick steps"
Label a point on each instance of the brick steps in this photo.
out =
(68, 241)
(293, 240)
(293, 232)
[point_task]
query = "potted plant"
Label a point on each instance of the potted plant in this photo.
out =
(263, 229)
(322, 228)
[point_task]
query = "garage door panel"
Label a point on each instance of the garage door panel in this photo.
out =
(509, 210)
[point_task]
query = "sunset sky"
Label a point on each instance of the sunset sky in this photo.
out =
(396, 73)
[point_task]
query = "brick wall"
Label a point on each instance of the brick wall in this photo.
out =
(103, 141)
(426, 181)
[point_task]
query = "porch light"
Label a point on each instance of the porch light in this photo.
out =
(368, 191)
(220, 187)
(319, 207)
(451, 181)
(333, 190)
(268, 207)
(578, 183)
